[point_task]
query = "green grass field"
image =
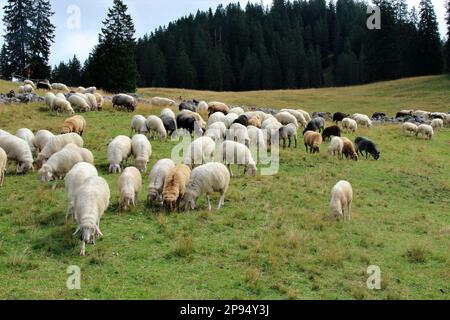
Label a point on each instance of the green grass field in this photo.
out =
(271, 240)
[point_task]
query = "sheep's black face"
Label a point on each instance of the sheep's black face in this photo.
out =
(376, 155)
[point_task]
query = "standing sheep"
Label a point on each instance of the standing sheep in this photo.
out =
(437, 124)
(216, 117)
(75, 124)
(91, 202)
(207, 179)
(363, 120)
(199, 152)
(141, 150)
(156, 126)
(336, 148)
(409, 127)
(316, 124)
(349, 125)
(236, 153)
(349, 149)
(364, 144)
(333, 131)
(138, 125)
(3, 162)
(202, 107)
(124, 100)
(163, 102)
(119, 150)
(157, 178)
(175, 186)
(341, 201)
(298, 115)
(100, 101)
(426, 131)
(257, 140)
(130, 185)
(17, 150)
(313, 140)
(287, 133)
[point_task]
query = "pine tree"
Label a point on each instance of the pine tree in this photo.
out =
(18, 36)
(448, 36)
(112, 65)
(4, 64)
(43, 33)
(430, 57)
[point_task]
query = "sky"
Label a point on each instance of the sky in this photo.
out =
(73, 38)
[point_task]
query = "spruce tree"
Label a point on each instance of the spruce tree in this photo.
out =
(448, 36)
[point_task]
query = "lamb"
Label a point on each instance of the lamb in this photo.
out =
(100, 101)
(91, 202)
(363, 120)
(130, 185)
(3, 163)
(199, 152)
(74, 180)
(163, 102)
(236, 153)
(313, 140)
(286, 118)
(207, 179)
(119, 150)
(19, 151)
(409, 127)
(56, 144)
(238, 133)
(349, 125)
(339, 116)
(316, 124)
(364, 144)
(349, 149)
(141, 150)
(437, 124)
(230, 119)
(157, 178)
(237, 110)
(75, 124)
(298, 115)
(216, 117)
(426, 131)
(60, 87)
(341, 201)
(175, 186)
(156, 126)
(216, 106)
(138, 125)
(124, 100)
(28, 136)
(336, 148)
(78, 103)
(287, 132)
(333, 131)
(42, 137)
(60, 163)
(255, 122)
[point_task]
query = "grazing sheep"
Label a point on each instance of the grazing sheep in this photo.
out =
(60, 87)
(362, 120)
(188, 122)
(409, 127)
(341, 201)
(141, 150)
(75, 124)
(255, 122)
(157, 178)
(61, 105)
(207, 179)
(243, 120)
(270, 122)
(333, 131)
(313, 140)
(216, 106)
(339, 116)
(437, 124)
(138, 125)
(168, 113)
(336, 148)
(230, 119)
(216, 131)
(61, 162)
(426, 131)
(56, 144)
(91, 201)
(3, 162)
(130, 185)
(324, 115)
(125, 101)
(175, 186)
(364, 144)
(219, 126)
(92, 101)
(44, 85)
(42, 137)
(19, 151)
(170, 124)
(100, 101)
(272, 131)
(198, 118)
(298, 115)
(286, 118)
(155, 126)
(202, 107)
(305, 114)
(349, 149)
(236, 153)
(49, 98)
(186, 106)
(316, 124)
(422, 114)
(163, 102)
(260, 114)
(349, 125)
(377, 116)
(200, 152)
(238, 133)
(216, 117)
(74, 180)
(257, 140)
(237, 110)
(28, 136)
(26, 89)
(119, 150)
(78, 103)
(287, 132)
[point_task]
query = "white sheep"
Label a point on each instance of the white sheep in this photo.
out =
(157, 179)
(138, 125)
(238, 133)
(28, 136)
(17, 150)
(168, 113)
(236, 153)
(156, 126)
(271, 122)
(216, 117)
(91, 90)
(141, 150)
(56, 144)
(119, 150)
(349, 125)
(336, 147)
(257, 140)
(202, 106)
(41, 138)
(26, 89)
(49, 97)
(409, 127)
(238, 111)
(229, 119)
(286, 118)
(92, 101)
(341, 201)
(3, 163)
(163, 102)
(60, 87)
(74, 180)
(207, 179)
(199, 152)
(216, 131)
(305, 114)
(62, 105)
(362, 119)
(29, 82)
(4, 133)
(426, 131)
(79, 103)
(130, 185)
(91, 201)
(437, 124)
(298, 115)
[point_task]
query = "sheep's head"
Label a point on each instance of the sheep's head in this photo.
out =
(153, 195)
(114, 168)
(376, 155)
(141, 164)
(189, 201)
(170, 202)
(45, 174)
(127, 201)
(315, 149)
(24, 167)
(87, 236)
(355, 156)
(251, 170)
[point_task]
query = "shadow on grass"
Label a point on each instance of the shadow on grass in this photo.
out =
(60, 241)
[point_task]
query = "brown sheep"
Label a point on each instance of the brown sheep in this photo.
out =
(215, 106)
(75, 124)
(313, 140)
(349, 150)
(255, 121)
(175, 186)
(100, 101)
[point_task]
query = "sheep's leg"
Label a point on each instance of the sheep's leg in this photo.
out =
(83, 249)
(296, 142)
(229, 169)
(221, 201)
(209, 202)
(290, 142)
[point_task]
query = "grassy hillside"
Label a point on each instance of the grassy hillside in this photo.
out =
(270, 241)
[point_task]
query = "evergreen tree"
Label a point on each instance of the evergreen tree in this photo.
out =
(448, 36)
(4, 64)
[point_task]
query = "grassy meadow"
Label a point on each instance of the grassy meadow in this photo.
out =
(271, 240)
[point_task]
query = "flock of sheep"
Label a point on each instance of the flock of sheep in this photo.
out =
(229, 136)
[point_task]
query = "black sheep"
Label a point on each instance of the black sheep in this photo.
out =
(317, 124)
(186, 106)
(378, 115)
(339, 116)
(333, 131)
(364, 144)
(44, 86)
(185, 121)
(402, 115)
(169, 124)
(242, 120)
